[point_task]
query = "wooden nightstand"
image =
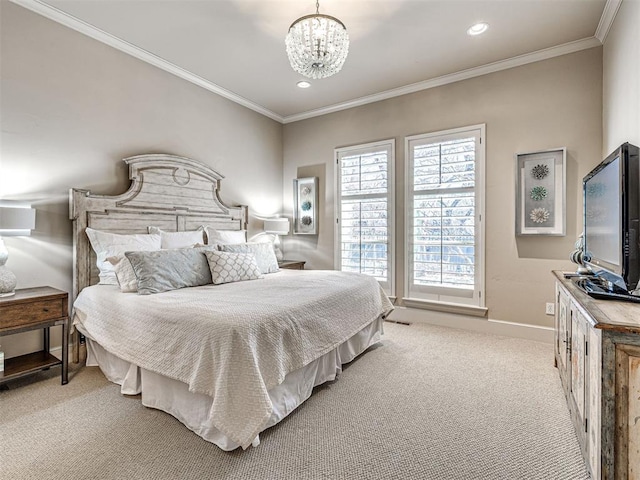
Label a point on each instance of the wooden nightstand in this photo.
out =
(292, 264)
(32, 309)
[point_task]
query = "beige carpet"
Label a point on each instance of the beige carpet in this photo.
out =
(428, 403)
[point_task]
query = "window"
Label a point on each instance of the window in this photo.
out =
(365, 227)
(444, 211)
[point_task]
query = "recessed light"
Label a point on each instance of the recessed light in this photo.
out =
(303, 84)
(477, 29)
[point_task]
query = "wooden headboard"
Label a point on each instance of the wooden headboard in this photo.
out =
(170, 192)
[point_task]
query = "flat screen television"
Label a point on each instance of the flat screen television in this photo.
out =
(611, 194)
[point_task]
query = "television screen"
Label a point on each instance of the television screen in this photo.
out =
(611, 195)
(602, 215)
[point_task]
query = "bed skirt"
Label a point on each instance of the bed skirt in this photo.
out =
(192, 409)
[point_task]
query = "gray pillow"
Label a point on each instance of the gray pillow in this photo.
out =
(165, 270)
(264, 253)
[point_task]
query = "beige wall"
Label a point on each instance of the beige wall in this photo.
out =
(72, 108)
(549, 104)
(621, 79)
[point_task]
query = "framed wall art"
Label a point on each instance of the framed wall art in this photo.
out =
(305, 206)
(540, 192)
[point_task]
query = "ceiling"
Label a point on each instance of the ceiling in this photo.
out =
(236, 47)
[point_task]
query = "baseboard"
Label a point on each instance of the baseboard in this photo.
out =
(484, 325)
(57, 351)
(415, 315)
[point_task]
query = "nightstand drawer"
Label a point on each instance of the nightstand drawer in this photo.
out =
(32, 312)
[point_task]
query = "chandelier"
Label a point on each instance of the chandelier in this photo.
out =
(317, 45)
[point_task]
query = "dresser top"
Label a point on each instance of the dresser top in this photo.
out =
(613, 315)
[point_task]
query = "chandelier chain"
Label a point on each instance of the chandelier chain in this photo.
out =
(317, 7)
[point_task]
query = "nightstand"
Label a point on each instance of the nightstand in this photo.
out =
(292, 264)
(33, 309)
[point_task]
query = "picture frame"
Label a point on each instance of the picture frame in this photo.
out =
(305, 206)
(541, 192)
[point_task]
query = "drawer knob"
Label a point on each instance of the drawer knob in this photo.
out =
(45, 309)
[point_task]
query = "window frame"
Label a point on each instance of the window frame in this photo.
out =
(444, 298)
(389, 144)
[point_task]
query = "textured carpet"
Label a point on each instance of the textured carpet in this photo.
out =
(428, 403)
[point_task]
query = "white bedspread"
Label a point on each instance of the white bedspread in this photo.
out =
(235, 341)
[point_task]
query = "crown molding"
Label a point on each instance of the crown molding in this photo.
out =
(85, 28)
(537, 56)
(606, 20)
(48, 11)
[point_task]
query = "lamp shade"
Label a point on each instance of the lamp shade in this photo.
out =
(17, 221)
(277, 226)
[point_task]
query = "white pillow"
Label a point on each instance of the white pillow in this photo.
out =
(179, 239)
(112, 244)
(225, 237)
(232, 267)
(124, 273)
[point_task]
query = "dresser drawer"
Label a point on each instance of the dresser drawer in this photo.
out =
(32, 312)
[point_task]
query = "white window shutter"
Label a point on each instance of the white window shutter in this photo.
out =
(444, 199)
(365, 226)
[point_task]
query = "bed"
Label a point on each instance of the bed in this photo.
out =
(227, 360)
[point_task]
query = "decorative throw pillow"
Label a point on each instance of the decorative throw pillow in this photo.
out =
(225, 237)
(232, 267)
(165, 270)
(127, 277)
(179, 239)
(107, 245)
(124, 273)
(264, 253)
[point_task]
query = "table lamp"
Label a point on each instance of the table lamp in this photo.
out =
(14, 222)
(276, 227)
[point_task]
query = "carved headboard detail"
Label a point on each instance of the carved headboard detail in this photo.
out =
(170, 192)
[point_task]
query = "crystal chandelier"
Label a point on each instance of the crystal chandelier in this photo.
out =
(317, 45)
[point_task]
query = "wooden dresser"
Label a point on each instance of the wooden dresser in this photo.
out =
(33, 309)
(597, 352)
